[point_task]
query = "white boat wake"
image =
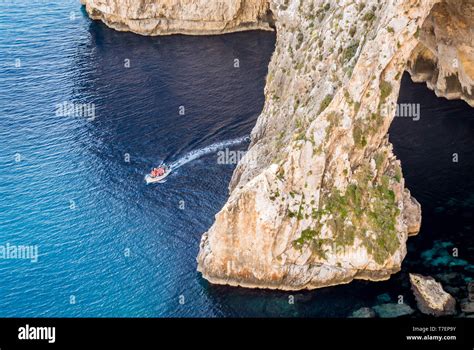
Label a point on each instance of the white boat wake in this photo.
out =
(206, 150)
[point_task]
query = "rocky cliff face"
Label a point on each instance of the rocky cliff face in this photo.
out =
(444, 56)
(319, 199)
(159, 17)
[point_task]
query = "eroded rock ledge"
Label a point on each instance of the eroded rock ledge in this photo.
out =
(319, 199)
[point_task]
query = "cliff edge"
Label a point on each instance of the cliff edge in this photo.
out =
(319, 199)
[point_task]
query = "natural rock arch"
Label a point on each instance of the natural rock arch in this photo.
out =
(319, 199)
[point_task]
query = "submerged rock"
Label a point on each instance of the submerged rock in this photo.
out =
(449, 277)
(364, 312)
(431, 297)
(439, 249)
(441, 255)
(452, 290)
(392, 310)
(470, 291)
(384, 298)
(467, 306)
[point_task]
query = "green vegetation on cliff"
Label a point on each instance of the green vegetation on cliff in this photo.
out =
(325, 103)
(365, 211)
(385, 90)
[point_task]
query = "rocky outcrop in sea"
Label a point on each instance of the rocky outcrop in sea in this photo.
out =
(430, 296)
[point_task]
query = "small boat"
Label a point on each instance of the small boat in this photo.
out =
(157, 175)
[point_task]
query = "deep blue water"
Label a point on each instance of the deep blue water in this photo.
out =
(127, 249)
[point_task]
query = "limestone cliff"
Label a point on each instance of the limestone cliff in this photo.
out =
(159, 17)
(444, 56)
(319, 199)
